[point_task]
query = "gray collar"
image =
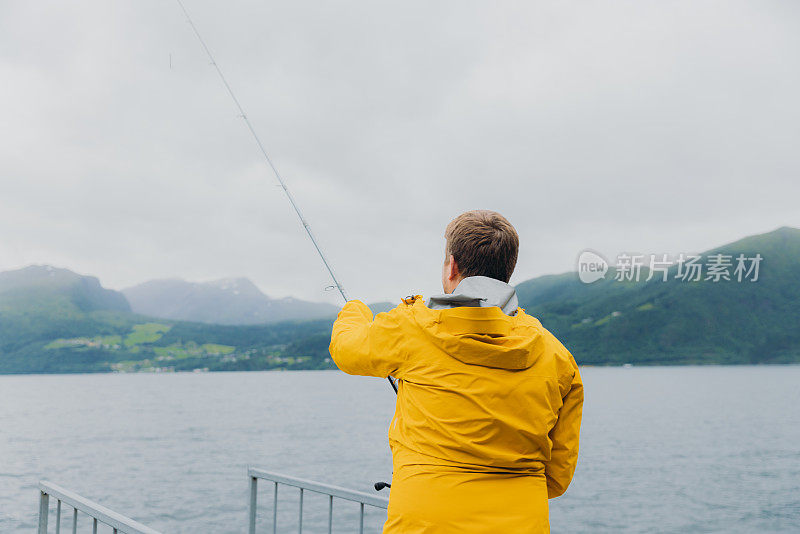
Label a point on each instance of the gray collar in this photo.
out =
(479, 291)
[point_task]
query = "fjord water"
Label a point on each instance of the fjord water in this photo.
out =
(663, 449)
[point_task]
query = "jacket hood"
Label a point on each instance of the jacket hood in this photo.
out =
(479, 291)
(480, 324)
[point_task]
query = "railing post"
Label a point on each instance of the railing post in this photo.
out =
(330, 514)
(58, 517)
(44, 511)
(300, 520)
(253, 504)
(275, 511)
(361, 520)
(74, 520)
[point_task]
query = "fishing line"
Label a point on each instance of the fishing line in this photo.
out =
(281, 183)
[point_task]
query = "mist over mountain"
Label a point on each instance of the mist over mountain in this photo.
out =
(228, 301)
(43, 284)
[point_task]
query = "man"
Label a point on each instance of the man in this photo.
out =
(489, 404)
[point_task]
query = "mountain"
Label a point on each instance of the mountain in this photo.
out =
(41, 285)
(41, 303)
(230, 301)
(677, 321)
(56, 321)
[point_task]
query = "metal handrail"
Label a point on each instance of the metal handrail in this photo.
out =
(331, 491)
(97, 512)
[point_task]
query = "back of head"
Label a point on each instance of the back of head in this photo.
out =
(483, 243)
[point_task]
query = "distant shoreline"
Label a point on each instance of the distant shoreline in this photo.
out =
(587, 366)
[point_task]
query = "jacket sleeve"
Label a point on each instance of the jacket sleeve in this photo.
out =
(565, 435)
(361, 345)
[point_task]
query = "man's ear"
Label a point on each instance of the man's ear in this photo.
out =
(453, 271)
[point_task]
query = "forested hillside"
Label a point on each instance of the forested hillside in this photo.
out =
(680, 321)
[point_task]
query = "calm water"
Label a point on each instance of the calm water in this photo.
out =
(669, 449)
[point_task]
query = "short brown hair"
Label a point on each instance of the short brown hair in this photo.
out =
(483, 243)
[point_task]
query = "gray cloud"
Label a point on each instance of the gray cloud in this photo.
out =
(650, 126)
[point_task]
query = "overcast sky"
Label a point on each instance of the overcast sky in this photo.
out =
(658, 127)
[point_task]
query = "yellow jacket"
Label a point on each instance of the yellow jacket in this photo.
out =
(487, 419)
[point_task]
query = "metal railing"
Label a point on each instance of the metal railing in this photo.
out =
(98, 513)
(364, 499)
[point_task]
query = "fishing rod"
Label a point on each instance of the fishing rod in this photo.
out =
(281, 182)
